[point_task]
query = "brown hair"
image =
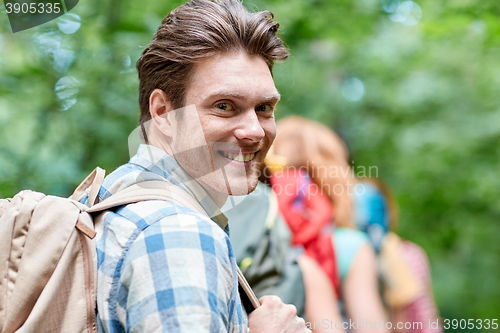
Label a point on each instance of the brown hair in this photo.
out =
(195, 31)
(308, 144)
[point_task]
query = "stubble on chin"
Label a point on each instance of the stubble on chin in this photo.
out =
(247, 185)
(253, 177)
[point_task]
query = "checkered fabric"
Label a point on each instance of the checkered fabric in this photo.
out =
(163, 267)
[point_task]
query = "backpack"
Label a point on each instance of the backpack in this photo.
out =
(261, 243)
(48, 254)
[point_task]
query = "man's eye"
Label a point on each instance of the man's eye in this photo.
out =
(224, 106)
(264, 108)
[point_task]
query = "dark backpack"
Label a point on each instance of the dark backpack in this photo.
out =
(261, 242)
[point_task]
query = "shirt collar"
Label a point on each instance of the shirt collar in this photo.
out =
(157, 161)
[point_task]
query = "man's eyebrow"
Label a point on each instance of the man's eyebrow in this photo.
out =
(273, 98)
(269, 98)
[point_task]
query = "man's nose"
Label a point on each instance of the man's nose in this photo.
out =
(249, 127)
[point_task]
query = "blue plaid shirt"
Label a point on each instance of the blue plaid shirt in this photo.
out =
(163, 267)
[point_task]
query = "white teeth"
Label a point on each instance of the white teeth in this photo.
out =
(239, 157)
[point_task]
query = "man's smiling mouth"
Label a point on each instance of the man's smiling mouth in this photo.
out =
(238, 156)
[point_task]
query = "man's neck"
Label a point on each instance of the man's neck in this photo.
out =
(158, 140)
(218, 198)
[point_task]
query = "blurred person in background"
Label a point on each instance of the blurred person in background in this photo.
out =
(314, 148)
(404, 267)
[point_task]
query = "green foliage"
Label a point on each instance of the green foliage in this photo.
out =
(429, 118)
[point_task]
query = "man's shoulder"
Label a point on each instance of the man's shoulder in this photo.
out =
(124, 176)
(140, 230)
(163, 217)
(148, 212)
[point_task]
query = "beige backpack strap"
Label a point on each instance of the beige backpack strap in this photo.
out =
(94, 181)
(248, 290)
(164, 190)
(149, 190)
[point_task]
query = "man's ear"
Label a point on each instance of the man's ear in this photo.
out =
(159, 106)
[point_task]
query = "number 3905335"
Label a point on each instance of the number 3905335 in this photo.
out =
(41, 8)
(471, 324)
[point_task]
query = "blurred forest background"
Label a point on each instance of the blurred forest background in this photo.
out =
(413, 87)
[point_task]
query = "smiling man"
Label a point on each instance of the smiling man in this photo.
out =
(207, 100)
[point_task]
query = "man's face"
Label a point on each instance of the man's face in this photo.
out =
(223, 134)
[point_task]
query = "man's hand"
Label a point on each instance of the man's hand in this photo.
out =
(273, 316)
